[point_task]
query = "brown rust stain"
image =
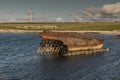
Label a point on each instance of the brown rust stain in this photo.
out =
(74, 40)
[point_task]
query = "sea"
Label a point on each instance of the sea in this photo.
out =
(19, 60)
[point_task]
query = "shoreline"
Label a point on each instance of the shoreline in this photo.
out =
(18, 31)
(114, 32)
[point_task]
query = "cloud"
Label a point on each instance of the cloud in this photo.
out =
(77, 19)
(59, 19)
(43, 19)
(107, 12)
(3, 20)
(92, 12)
(73, 18)
(111, 8)
(35, 19)
(12, 20)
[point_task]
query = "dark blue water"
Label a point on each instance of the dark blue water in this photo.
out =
(19, 61)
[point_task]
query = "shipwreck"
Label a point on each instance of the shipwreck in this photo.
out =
(69, 43)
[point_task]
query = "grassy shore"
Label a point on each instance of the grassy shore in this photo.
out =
(67, 26)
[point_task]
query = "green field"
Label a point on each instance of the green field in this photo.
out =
(75, 26)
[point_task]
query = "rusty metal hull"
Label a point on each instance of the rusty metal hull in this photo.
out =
(74, 40)
(60, 43)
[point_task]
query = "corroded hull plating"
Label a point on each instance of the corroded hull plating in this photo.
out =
(61, 43)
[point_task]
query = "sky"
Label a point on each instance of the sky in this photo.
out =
(59, 10)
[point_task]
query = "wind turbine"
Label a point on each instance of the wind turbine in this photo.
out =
(30, 14)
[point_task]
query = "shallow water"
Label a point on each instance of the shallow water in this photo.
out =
(19, 61)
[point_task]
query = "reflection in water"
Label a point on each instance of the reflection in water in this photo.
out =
(19, 61)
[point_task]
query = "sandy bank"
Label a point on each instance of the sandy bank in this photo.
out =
(115, 32)
(18, 31)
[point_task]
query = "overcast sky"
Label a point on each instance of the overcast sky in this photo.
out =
(59, 10)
